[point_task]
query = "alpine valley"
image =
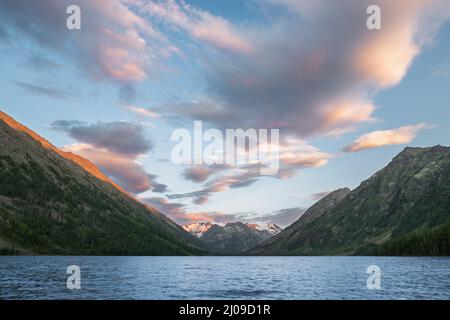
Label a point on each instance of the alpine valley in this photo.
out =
(403, 209)
(54, 202)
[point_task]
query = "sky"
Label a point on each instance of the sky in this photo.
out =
(346, 99)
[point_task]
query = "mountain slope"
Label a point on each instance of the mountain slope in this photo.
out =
(53, 202)
(287, 239)
(409, 196)
(234, 238)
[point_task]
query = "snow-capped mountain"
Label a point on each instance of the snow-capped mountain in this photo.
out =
(197, 228)
(233, 237)
(254, 226)
(272, 228)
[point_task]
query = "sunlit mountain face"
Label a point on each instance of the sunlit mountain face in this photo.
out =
(54, 203)
(84, 163)
(141, 94)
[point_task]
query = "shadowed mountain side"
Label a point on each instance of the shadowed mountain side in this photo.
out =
(234, 238)
(393, 212)
(287, 238)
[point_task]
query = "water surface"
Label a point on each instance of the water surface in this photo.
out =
(224, 278)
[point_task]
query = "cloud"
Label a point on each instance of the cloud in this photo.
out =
(200, 173)
(142, 111)
(123, 169)
(231, 179)
(114, 42)
(294, 154)
(38, 90)
(314, 82)
(200, 25)
(442, 70)
(283, 217)
(197, 174)
(155, 186)
(179, 213)
(120, 137)
(116, 148)
(4, 36)
(173, 210)
(376, 139)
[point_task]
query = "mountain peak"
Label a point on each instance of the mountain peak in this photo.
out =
(336, 194)
(235, 237)
(415, 151)
(197, 228)
(407, 196)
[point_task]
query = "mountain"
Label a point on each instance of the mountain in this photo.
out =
(198, 228)
(288, 239)
(234, 238)
(272, 228)
(54, 202)
(402, 209)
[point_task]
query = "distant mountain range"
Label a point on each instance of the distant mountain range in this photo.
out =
(403, 209)
(232, 238)
(54, 202)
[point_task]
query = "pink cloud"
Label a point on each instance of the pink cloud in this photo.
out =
(320, 79)
(200, 24)
(294, 155)
(219, 32)
(117, 64)
(114, 42)
(178, 212)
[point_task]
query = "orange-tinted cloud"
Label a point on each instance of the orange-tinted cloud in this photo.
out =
(376, 139)
(385, 56)
(297, 154)
(322, 78)
(123, 169)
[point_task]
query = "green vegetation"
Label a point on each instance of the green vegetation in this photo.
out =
(49, 205)
(429, 242)
(403, 209)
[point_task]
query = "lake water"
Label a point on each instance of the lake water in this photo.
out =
(224, 278)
